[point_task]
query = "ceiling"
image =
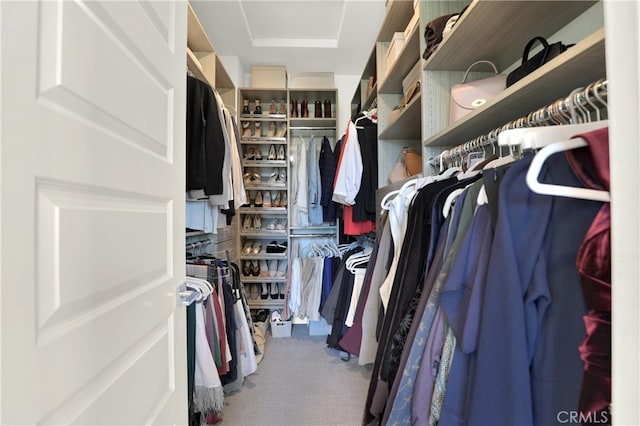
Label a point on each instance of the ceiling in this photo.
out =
(304, 35)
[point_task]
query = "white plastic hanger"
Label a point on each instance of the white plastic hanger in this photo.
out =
(538, 137)
(560, 190)
(450, 199)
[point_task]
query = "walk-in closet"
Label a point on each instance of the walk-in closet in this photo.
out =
(393, 212)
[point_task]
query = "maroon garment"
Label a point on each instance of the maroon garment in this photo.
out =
(591, 165)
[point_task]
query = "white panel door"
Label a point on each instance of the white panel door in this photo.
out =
(92, 224)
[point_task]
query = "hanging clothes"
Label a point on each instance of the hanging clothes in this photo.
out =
(591, 165)
(300, 198)
(364, 208)
(349, 170)
(314, 186)
(328, 164)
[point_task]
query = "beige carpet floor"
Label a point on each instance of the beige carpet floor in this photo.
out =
(300, 382)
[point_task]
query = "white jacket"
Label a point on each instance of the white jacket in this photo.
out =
(349, 173)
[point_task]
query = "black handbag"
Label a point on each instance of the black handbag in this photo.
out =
(529, 65)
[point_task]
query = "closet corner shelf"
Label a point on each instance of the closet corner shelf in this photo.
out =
(264, 163)
(513, 24)
(262, 140)
(194, 234)
(194, 65)
(372, 95)
(263, 234)
(407, 124)
(263, 117)
(266, 303)
(252, 279)
(265, 186)
(407, 59)
(312, 122)
(399, 13)
(577, 67)
(266, 256)
(263, 210)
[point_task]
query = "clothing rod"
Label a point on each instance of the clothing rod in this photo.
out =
(582, 100)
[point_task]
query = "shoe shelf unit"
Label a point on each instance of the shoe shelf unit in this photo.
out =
(264, 129)
(205, 64)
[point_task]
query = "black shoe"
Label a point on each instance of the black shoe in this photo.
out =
(265, 292)
(258, 109)
(245, 108)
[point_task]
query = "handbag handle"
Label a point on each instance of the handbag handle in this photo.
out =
(466, 74)
(527, 48)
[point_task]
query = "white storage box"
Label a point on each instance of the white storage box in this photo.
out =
(396, 46)
(281, 328)
(312, 80)
(411, 77)
(269, 77)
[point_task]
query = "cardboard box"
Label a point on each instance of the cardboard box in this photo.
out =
(312, 80)
(411, 77)
(412, 24)
(281, 328)
(269, 77)
(396, 46)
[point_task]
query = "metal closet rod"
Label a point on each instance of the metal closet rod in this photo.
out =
(581, 101)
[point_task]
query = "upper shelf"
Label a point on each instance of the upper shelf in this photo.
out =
(408, 57)
(265, 95)
(512, 25)
(197, 39)
(196, 68)
(311, 122)
(399, 12)
(406, 125)
(578, 66)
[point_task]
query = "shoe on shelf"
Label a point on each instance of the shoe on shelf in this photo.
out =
(282, 268)
(274, 295)
(272, 153)
(255, 268)
(265, 292)
(272, 225)
(281, 154)
(250, 154)
(258, 109)
(266, 199)
(264, 269)
(258, 153)
(327, 108)
(274, 177)
(245, 106)
(246, 268)
(257, 226)
(272, 107)
(281, 289)
(283, 201)
(248, 201)
(246, 249)
(283, 107)
(246, 129)
(256, 248)
(248, 177)
(256, 175)
(281, 224)
(271, 131)
(257, 132)
(294, 107)
(304, 108)
(282, 175)
(282, 131)
(273, 268)
(276, 247)
(317, 109)
(258, 202)
(246, 225)
(276, 202)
